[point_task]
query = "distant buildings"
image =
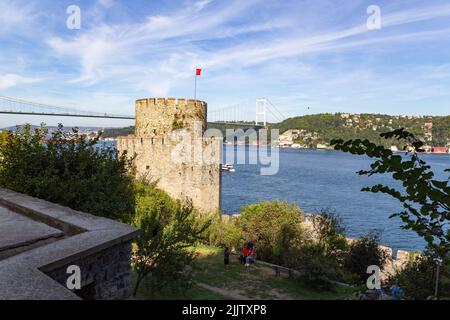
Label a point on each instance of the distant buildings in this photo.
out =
(440, 150)
(428, 131)
(287, 138)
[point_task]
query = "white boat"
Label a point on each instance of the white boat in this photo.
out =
(228, 168)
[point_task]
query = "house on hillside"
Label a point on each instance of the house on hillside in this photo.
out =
(287, 138)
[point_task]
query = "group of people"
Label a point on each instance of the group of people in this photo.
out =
(246, 256)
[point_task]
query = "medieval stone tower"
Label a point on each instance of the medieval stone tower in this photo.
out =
(169, 146)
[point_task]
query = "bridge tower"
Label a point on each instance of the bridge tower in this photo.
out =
(261, 107)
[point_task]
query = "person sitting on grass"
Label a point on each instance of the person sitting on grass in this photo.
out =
(244, 255)
(249, 259)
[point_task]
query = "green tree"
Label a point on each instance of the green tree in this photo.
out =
(3, 138)
(320, 258)
(425, 199)
(163, 249)
(417, 278)
(275, 227)
(67, 168)
(224, 233)
(365, 252)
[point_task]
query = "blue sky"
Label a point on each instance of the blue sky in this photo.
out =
(299, 54)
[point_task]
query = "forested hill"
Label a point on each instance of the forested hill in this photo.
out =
(433, 130)
(115, 132)
(322, 128)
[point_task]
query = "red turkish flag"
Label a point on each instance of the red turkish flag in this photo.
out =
(198, 72)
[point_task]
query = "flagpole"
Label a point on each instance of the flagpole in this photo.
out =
(195, 90)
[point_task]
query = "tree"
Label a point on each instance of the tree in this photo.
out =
(329, 234)
(365, 252)
(275, 227)
(3, 138)
(67, 168)
(417, 278)
(169, 230)
(320, 258)
(425, 199)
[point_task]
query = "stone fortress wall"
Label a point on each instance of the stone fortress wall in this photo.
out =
(191, 171)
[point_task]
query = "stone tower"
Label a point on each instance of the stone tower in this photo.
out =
(169, 146)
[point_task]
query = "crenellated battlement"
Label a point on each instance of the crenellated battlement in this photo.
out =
(170, 102)
(160, 116)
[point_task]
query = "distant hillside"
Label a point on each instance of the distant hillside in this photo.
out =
(434, 131)
(322, 128)
(51, 128)
(115, 132)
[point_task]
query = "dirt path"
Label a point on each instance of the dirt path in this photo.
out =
(232, 294)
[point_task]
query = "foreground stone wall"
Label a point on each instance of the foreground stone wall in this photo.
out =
(105, 275)
(169, 147)
(42, 239)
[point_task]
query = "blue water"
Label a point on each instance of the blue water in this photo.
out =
(316, 179)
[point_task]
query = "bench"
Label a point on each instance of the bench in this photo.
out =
(279, 270)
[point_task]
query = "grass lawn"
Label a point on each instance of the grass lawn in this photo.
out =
(213, 282)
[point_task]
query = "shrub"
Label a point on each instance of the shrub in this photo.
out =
(365, 252)
(164, 247)
(316, 271)
(320, 259)
(418, 277)
(224, 234)
(68, 169)
(275, 228)
(3, 138)
(329, 235)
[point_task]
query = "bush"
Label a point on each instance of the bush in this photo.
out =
(164, 247)
(275, 228)
(68, 169)
(224, 234)
(320, 260)
(365, 252)
(418, 277)
(316, 270)
(3, 138)
(329, 235)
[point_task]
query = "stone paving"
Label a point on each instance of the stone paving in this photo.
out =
(39, 240)
(17, 231)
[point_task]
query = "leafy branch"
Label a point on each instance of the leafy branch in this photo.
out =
(426, 200)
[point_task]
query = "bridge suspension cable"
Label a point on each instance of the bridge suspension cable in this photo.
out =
(10, 105)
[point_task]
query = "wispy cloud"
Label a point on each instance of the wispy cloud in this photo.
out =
(12, 80)
(16, 17)
(315, 52)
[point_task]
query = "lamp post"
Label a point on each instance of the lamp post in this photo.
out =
(438, 267)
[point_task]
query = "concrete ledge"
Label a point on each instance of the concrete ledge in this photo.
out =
(83, 236)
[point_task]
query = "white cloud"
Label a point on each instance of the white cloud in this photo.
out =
(15, 18)
(246, 48)
(11, 80)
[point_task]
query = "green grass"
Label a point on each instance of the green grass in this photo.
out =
(254, 282)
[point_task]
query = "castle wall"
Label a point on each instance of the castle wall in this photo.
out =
(169, 146)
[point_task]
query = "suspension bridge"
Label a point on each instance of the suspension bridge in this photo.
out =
(231, 115)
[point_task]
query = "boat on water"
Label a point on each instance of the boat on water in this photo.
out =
(228, 168)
